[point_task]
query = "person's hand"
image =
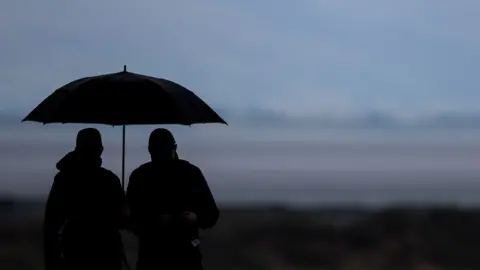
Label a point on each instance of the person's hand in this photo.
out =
(164, 220)
(188, 218)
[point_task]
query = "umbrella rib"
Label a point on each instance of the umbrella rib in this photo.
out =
(67, 96)
(172, 101)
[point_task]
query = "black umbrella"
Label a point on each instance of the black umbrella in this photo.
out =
(123, 98)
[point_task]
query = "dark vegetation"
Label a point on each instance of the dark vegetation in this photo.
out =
(276, 238)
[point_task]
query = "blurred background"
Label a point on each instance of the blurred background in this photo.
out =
(353, 136)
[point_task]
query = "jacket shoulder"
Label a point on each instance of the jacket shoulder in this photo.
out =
(187, 165)
(60, 175)
(144, 168)
(60, 178)
(108, 174)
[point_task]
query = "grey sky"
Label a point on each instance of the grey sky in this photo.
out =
(298, 57)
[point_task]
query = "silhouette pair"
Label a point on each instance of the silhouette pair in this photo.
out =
(167, 201)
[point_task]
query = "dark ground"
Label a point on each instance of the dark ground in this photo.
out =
(276, 238)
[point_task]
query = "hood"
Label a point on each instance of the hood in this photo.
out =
(74, 160)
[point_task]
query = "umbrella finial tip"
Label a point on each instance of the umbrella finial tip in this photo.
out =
(124, 68)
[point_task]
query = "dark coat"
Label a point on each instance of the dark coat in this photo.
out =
(169, 188)
(83, 216)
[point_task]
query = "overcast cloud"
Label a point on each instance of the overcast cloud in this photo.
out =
(298, 57)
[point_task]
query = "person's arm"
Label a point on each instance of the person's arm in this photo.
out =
(147, 212)
(134, 206)
(143, 215)
(119, 203)
(206, 209)
(53, 221)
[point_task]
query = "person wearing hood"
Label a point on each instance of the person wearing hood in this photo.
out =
(169, 201)
(85, 211)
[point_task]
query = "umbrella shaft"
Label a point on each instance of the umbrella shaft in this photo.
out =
(123, 156)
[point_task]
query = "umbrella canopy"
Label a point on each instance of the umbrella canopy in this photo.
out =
(123, 98)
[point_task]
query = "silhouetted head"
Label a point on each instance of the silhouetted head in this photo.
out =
(162, 145)
(89, 142)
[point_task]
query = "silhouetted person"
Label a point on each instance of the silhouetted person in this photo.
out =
(84, 211)
(169, 202)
